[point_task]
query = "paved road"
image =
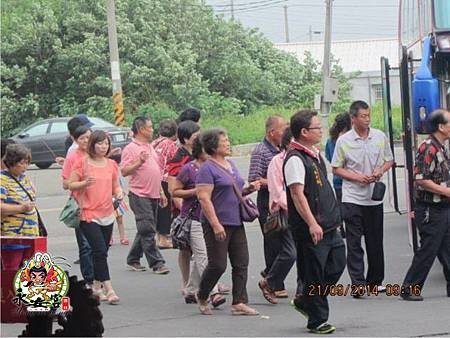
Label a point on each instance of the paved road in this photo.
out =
(151, 305)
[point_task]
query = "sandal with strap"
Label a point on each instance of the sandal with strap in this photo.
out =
(124, 241)
(204, 309)
(217, 300)
(243, 310)
(99, 293)
(112, 298)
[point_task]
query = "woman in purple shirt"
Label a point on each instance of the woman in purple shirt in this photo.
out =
(222, 225)
(184, 187)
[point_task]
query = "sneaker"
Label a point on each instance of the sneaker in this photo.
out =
(161, 270)
(299, 309)
(323, 329)
(136, 267)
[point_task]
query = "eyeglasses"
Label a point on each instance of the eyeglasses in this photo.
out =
(312, 128)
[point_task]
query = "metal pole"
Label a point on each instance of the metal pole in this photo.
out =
(119, 115)
(232, 9)
(286, 24)
(310, 33)
(326, 106)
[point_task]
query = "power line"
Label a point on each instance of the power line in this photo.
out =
(243, 4)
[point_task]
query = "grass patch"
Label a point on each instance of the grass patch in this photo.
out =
(250, 128)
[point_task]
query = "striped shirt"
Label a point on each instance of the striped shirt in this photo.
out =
(260, 159)
(23, 224)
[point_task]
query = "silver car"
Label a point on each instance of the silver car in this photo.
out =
(47, 138)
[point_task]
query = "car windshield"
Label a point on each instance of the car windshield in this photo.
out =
(442, 13)
(99, 123)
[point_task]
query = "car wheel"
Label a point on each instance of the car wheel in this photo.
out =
(44, 165)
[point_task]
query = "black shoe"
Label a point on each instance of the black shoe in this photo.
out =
(76, 261)
(358, 296)
(323, 329)
(410, 297)
(448, 290)
(263, 273)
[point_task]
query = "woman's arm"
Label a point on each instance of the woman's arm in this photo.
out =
(179, 191)
(171, 181)
(204, 193)
(75, 183)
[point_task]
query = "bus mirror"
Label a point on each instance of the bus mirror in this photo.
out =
(425, 91)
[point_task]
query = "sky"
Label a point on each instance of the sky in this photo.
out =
(352, 19)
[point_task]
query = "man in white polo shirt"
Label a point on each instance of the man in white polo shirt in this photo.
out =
(361, 157)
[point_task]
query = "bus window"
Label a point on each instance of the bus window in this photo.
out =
(410, 22)
(425, 15)
(442, 14)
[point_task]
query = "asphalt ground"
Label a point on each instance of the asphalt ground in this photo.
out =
(152, 305)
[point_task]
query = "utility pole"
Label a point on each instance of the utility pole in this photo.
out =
(119, 114)
(326, 81)
(232, 9)
(286, 24)
(310, 33)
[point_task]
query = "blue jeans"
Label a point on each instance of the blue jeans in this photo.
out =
(85, 253)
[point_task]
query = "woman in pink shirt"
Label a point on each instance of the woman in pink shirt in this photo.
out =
(272, 285)
(97, 179)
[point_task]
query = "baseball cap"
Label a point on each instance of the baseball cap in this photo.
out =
(85, 120)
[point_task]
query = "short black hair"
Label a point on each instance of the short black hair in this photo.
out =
(138, 123)
(197, 148)
(286, 138)
(210, 139)
(186, 129)
(73, 124)
(190, 114)
(167, 128)
(4, 144)
(301, 120)
(436, 118)
(356, 106)
(80, 131)
(15, 153)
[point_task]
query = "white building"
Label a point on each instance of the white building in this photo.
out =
(358, 56)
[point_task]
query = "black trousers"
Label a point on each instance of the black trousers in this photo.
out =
(98, 237)
(164, 219)
(364, 221)
(284, 243)
(322, 265)
(235, 247)
(433, 223)
(271, 244)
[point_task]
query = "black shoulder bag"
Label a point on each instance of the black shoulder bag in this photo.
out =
(42, 229)
(180, 229)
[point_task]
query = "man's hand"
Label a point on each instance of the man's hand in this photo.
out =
(363, 179)
(143, 156)
(219, 233)
(28, 206)
(316, 233)
(60, 160)
(378, 173)
(119, 195)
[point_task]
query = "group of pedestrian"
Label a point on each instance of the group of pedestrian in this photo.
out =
(186, 173)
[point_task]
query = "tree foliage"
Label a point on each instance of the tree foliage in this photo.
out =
(173, 54)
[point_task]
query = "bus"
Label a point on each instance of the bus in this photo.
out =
(424, 68)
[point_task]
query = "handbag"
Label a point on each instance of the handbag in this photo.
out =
(248, 209)
(71, 212)
(276, 222)
(41, 225)
(378, 191)
(180, 229)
